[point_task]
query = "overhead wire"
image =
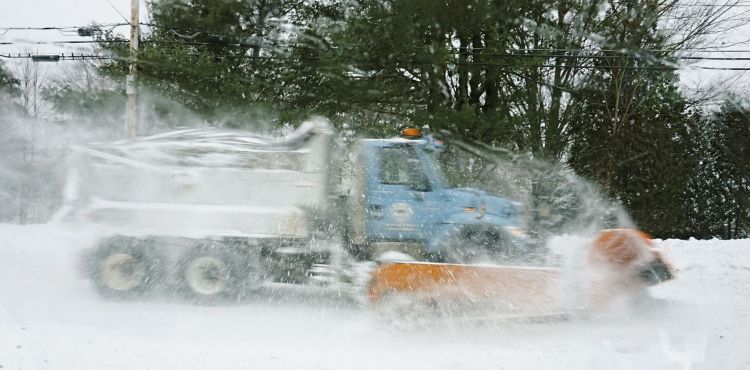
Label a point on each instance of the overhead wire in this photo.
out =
(127, 21)
(53, 42)
(535, 52)
(61, 29)
(73, 56)
(509, 53)
(56, 56)
(705, 49)
(729, 4)
(565, 53)
(677, 4)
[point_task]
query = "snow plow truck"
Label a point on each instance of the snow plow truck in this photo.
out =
(217, 213)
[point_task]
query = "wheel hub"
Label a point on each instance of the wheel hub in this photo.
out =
(122, 272)
(207, 275)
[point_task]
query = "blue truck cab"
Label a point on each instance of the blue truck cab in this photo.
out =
(408, 206)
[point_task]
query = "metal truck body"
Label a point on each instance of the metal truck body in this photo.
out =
(201, 183)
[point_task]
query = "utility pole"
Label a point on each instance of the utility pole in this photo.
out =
(131, 83)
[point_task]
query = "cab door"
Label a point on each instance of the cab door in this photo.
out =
(399, 199)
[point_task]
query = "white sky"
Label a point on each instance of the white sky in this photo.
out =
(58, 13)
(66, 13)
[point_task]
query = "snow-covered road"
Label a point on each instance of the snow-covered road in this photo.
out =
(51, 318)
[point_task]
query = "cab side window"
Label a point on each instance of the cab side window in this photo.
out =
(399, 165)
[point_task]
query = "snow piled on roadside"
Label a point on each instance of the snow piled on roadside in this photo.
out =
(51, 318)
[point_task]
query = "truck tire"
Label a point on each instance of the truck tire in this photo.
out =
(124, 267)
(478, 243)
(215, 271)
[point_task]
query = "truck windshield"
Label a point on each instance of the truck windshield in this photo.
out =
(483, 170)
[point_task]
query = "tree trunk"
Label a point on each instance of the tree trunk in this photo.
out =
(475, 80)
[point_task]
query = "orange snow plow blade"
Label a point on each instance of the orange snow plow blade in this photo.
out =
(510, 286)
(625, 257)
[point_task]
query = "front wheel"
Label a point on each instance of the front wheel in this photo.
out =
(216, 271)
(479, 243)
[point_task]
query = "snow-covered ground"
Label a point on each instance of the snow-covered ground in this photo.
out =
(51, 318)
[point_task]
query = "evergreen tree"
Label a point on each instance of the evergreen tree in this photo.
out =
(633, 129)
(720, 191)
(645, 160)
(222, 59)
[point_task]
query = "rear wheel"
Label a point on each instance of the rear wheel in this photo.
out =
(125, 267)
(217, 271)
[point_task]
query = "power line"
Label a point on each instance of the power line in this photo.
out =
(531, 53)
(63, 30)
(3, 30)
(73, 56)
(657, 67)
(728, 4)
(56, 57)
(518, 53)
(45, 28)
(66, 42)
(117, 41)
(610, 57)
(118, 12)
(707, 49)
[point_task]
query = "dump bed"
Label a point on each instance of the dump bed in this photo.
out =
(202, 182)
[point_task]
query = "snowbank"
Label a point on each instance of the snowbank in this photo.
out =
(51, 318)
